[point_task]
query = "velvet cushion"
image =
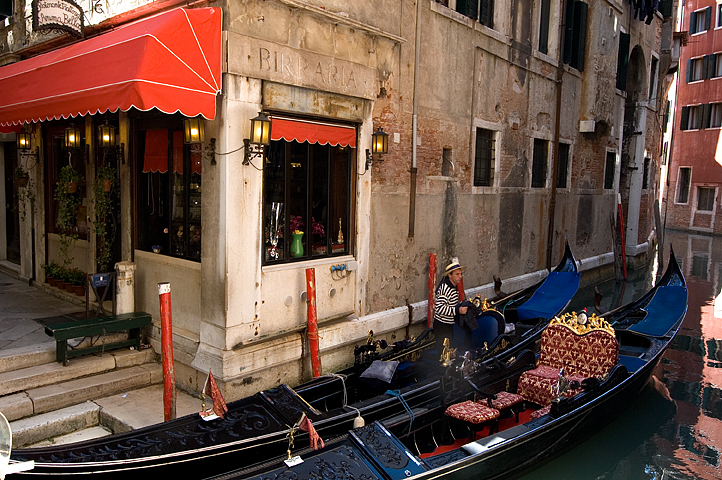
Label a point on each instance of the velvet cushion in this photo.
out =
(506, 400)
(538, 413)
(472, 412)
(380, 370)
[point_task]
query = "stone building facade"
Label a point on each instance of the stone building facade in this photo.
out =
(478, 99)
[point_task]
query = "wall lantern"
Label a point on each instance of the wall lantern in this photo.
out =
(23, 140)
(194, 130)
(72, 137)
(260, 138)
(106, 135)
(106, 141)
(379, 146)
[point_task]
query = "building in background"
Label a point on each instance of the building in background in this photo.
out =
(511, 127)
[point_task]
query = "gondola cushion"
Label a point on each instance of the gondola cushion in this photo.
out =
(472, 412)
(506, 400)
(582, 356)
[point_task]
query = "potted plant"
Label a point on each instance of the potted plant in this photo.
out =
(105, 180)
(77, 279)
(21, 176)
(51, 273)
(68, 203)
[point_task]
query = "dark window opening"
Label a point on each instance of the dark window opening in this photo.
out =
(539, 163)
(563, 165)
(705, 198)
(683, 180)
(645, 173)
(609, 168)
(575, 34)
(484, 158)
(544, 26)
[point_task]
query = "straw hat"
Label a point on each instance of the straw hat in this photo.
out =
(454, 265)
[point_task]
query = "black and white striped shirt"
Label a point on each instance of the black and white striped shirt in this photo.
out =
(447, 301)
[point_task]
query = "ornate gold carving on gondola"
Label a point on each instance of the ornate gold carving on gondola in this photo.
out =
(593, 323)
(448, 354)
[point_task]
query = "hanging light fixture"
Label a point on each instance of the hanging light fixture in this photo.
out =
(194, 130)
(106, 135)
(260, 138)
(72, 137)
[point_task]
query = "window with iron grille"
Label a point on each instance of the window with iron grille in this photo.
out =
(539, 163)
(484, 158)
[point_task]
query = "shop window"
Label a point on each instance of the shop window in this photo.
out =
(484, 158)
(539, 164)
(609, 170)
(307, 196)
(699, 21)
(57, 157)
(705, 198)
(168, 203)
(683, 179)
(563, 165)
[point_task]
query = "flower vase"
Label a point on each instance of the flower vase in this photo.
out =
(297, 244)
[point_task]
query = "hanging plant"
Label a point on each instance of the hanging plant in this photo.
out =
(21, 176)
(105, 181)
(68, 202)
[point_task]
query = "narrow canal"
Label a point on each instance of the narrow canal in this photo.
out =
(673, 429)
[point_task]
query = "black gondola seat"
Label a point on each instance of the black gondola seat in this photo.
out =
(582, 350)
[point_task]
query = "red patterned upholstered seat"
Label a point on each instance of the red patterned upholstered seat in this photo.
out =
(538, 413)
(506, 400)
(591, 354)
(472, 412)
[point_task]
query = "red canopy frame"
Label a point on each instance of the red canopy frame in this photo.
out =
(171, 62)
(312, 132)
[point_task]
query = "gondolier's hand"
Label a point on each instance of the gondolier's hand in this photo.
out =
(462, 310)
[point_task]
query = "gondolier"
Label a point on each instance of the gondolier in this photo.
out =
(447, 304)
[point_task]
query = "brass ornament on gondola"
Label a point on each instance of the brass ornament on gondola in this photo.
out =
(593, 323)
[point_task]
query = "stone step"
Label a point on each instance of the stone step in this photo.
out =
(13, 359)
(50, 373)
(54, 424)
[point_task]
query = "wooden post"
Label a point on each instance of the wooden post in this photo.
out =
(621, 232)
(432, 289)
(312, 324)
(166, 334)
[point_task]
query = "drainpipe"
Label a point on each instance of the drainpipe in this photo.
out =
(412, 189)
(555, 146)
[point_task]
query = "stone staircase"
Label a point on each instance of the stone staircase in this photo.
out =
(42, 399)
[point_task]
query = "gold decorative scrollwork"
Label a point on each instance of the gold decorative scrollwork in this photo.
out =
(593, 323)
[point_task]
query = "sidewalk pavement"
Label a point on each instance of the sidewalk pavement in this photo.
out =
(20, 306)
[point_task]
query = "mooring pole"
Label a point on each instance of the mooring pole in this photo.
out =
(621, 231)
(166, 334)
(312, 323)
(432, 287)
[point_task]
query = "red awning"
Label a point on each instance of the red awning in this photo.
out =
(312, 132)
(171, 62)
(10, 128)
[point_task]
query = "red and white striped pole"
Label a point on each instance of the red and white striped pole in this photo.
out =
(432, 288)
(312, 323)
(166, 336)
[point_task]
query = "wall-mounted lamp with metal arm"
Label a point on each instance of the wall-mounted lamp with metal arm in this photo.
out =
(379, 146)
(23, 140)
(106, 141)
(260, 138)
(195, 134)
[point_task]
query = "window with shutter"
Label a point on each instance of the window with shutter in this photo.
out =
(623, 61)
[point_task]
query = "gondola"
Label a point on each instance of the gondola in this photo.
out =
(257, 428)
(473, 446)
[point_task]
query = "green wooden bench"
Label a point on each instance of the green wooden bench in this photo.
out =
(62, 332)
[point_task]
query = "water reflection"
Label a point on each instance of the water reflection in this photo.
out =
(673, 429)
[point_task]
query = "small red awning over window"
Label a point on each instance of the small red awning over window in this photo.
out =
(313, 132)
(171, 62)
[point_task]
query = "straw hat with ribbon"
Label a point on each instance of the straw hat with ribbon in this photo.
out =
(454, 265)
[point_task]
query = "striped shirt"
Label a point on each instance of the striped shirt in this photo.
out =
(446, 304)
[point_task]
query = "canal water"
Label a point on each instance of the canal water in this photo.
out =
(673, 429)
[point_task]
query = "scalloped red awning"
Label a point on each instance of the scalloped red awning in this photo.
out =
(312, 132)
(171, 62)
